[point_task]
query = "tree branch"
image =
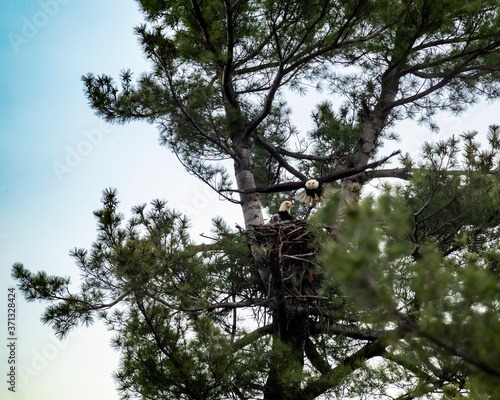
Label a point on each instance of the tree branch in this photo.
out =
(268, 102)
(191, 171)
(195, 125)
(305, 156)
(473, 55)
(334, 176)
(204, 27)
(252, 337)
(399, 173)
(325, 382)
(317, 361)
(228, 65)
(263, 143)
(213, 306)
(476, 362)
(351, 331)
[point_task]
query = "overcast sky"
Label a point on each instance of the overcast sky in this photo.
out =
(56, 157)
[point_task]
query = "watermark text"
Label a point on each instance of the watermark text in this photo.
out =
(32, 25)
(76, 154)
(11, 338)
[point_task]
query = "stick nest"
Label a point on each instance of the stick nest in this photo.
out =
(286, 251)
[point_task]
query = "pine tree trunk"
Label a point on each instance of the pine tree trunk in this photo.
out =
(250, 202)
(242, 147)
(289, 365)
(373, 126)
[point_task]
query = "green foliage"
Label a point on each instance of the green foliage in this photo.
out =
(405, 288)
(159, 292)
(430, 302)
(220, 71)
(455, 209)
(431, 268)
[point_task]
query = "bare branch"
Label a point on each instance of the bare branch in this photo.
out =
(399, 173)
(191, 171)
(334, 176)
(263, 143)
(253, 336)
(351, 331)
(305, 156)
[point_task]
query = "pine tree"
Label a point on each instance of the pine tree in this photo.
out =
(393, 295)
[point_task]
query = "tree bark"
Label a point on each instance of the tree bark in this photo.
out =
(375, 122)
(250, 202)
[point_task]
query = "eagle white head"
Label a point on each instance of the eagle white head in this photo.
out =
(285, 206)
(312, 184)
(312, 193)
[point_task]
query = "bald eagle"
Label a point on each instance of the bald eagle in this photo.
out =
(334, 176)
(283, 213)
(313, 193)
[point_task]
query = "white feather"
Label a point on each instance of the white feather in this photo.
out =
(303, 197)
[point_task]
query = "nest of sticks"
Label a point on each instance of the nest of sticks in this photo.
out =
(287, 257)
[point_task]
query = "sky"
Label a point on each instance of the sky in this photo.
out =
(56, 158)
